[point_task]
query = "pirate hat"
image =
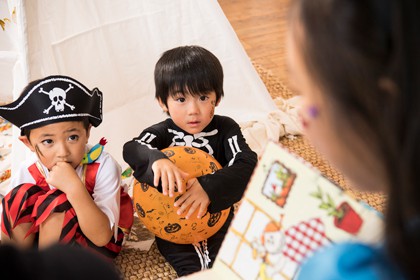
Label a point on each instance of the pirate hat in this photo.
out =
(54, 99)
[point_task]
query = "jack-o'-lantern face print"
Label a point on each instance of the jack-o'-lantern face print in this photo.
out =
(214, 218)
(171, 228)
(144, 187)
(189, 150)
(168, 153)
(140, 210)
(213, 167)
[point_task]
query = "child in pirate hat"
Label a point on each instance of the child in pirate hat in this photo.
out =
(56, 196)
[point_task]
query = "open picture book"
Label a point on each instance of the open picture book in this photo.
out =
(289, 210)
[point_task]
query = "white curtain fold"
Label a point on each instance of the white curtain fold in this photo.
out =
(114, 45)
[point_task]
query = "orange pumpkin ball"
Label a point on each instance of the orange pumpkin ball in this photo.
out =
(157, 211)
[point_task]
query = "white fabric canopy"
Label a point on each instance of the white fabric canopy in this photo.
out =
(114, 45)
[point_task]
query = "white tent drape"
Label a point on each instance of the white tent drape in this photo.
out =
(114, 45)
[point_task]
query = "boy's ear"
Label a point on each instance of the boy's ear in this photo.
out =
(162, 105)
(27, 143)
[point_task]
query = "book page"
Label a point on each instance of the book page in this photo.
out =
(289, 210)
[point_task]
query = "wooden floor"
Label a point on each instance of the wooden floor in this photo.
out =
(260, 26)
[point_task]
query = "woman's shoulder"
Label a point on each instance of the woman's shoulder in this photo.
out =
(350, 261)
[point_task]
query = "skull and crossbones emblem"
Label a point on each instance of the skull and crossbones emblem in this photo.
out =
(58, 99)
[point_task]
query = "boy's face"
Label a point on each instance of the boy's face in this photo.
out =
(63, 141)
(191, 113)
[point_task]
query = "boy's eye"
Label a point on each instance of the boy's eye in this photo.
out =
(73, 137)
(180, 99)
(47, 142)
(204, 97)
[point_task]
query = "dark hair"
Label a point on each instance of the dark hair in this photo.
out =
(365, 57)
(188, 69)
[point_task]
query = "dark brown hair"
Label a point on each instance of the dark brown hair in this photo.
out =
(188, 69)
(365, 57)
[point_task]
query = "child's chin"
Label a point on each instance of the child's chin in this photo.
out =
(193, 130)
(74, 165)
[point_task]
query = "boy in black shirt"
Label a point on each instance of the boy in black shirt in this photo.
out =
(189, 85)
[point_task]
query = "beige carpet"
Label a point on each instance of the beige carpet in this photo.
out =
(136, 264)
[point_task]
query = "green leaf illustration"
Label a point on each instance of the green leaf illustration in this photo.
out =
(327, 203)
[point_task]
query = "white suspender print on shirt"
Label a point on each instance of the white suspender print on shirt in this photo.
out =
(233, 144)
(146, 139)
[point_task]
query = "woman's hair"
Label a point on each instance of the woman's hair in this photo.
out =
(188, 69)
(364, 55)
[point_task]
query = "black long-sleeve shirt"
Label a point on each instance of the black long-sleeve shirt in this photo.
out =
(222, 139)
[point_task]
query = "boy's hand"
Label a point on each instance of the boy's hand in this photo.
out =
(196, 197)
(169, 175)
(64, 177)
(94, 223)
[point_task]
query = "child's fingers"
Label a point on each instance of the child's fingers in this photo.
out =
(156, 178)
(180, 183)
(185, 185)
(183, 203)
(192, 209)
(171, 184)
(164, 183)
(181, 177)
(202, 210)
(180, 201)
(181, 209)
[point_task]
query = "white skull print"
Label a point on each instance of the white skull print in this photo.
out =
(58, 99)
(197, 140)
